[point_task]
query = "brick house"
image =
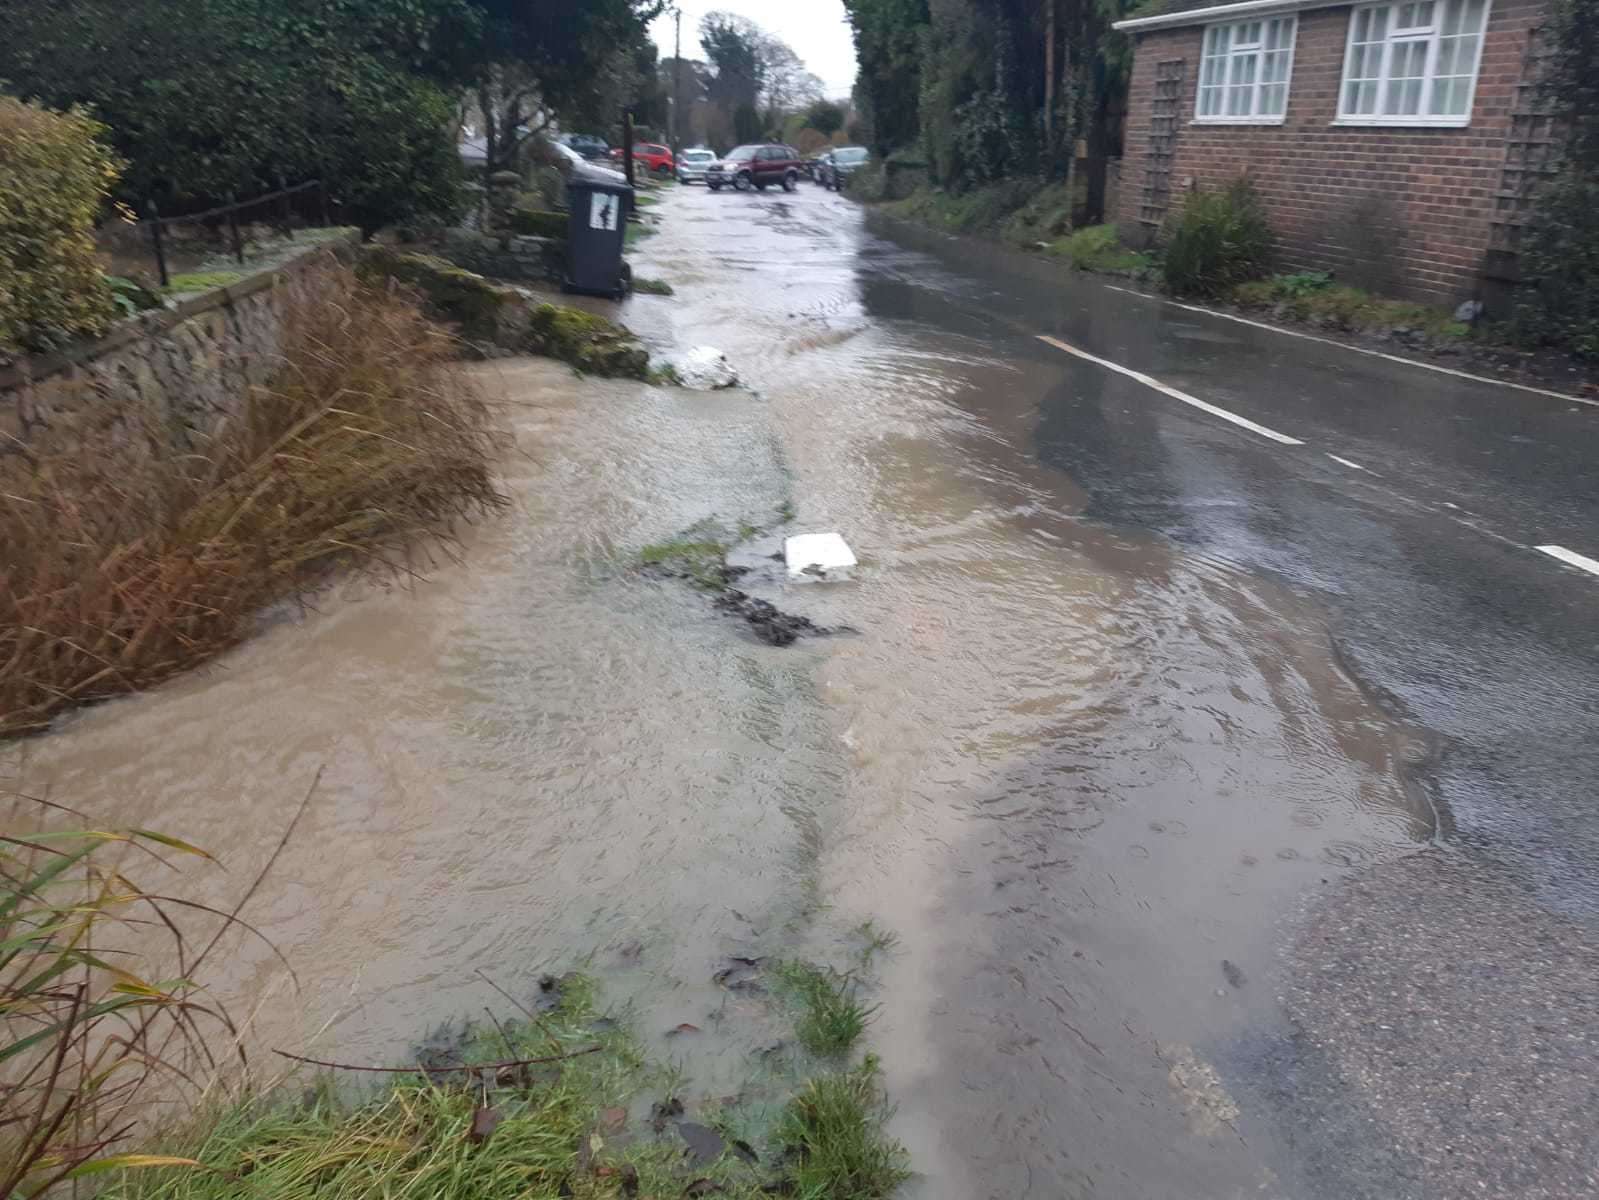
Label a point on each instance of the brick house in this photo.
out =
(1394, 143)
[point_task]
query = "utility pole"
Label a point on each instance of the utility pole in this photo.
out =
(677, 86)
(1049, 84)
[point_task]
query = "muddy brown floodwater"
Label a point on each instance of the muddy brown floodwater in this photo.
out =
(1084, 777)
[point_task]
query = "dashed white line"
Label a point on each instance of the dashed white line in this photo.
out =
(1353, 466)
(1396, 358)
(1571, 558)
(1174, 393)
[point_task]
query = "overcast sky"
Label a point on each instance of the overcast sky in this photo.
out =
(814, 28)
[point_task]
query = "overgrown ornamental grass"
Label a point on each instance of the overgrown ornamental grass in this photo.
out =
(86, 1029)
(128, 564)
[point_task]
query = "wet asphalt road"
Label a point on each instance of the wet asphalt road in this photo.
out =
(1441, 1031)
(1453, 999)
(1423, 557)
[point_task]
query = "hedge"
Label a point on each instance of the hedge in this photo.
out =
(54, 176)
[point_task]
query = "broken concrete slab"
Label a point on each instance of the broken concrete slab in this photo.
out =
(817, 554)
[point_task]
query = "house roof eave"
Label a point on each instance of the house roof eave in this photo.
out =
(1220, 12)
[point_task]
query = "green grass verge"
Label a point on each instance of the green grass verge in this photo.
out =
(652, 287)
(573, 1127)
(833, 1131)
(1099, 248)
(1313, 297)
(201, 281)
(698, 559)
(831, 1016)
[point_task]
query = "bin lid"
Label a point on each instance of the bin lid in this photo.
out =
(598, 183)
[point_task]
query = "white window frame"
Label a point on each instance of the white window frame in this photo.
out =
(1431, 35)
(1258, 51)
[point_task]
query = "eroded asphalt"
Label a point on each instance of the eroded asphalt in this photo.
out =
(1408, 1006)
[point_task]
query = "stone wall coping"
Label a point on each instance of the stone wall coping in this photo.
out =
(158, 320)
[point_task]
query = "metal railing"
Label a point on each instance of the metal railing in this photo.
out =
(283, 209)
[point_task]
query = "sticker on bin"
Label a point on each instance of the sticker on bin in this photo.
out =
(605, 210)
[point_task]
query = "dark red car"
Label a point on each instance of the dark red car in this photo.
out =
(651, 157)
(757, 166)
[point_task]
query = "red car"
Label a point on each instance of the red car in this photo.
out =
(757, 166)
(652, 157)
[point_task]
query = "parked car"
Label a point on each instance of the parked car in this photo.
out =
(586, 144)
(650, 156)
(758, 165)
(836, 166)
(692, 164)
(573, 165)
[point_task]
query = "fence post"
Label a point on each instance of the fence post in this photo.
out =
(233, 228)
(155, 237)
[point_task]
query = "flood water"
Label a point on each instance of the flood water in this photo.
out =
(1073, 766)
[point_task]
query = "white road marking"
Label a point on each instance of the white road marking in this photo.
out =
(1165, 390)
(1571, 558)
(1353, 466)
(1310, 337)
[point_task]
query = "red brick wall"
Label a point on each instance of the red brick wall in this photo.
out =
(1321, 181)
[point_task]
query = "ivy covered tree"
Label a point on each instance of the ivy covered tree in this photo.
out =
(889, 45)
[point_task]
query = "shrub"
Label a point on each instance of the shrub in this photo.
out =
(54, 176)
(121, 574)
(1220, 239)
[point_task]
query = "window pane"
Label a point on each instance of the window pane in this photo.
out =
(1223, 35)
(1276, 68)
(1476, 15)
(1444, 64)
(1249, 34)
(1273, 100)
(1278, 34)
(1444, 97)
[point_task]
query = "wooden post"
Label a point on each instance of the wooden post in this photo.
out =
(155, 238)
(627, 144)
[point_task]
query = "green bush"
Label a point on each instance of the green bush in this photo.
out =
(1219, 240)
(54, 176)
(228, 97)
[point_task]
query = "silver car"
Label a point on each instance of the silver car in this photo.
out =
(691, 165)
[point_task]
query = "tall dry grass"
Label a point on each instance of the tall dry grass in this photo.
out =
(118, 570)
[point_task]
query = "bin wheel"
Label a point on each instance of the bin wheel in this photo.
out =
(624, 282)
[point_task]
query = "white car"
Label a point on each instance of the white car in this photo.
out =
(691, 165)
